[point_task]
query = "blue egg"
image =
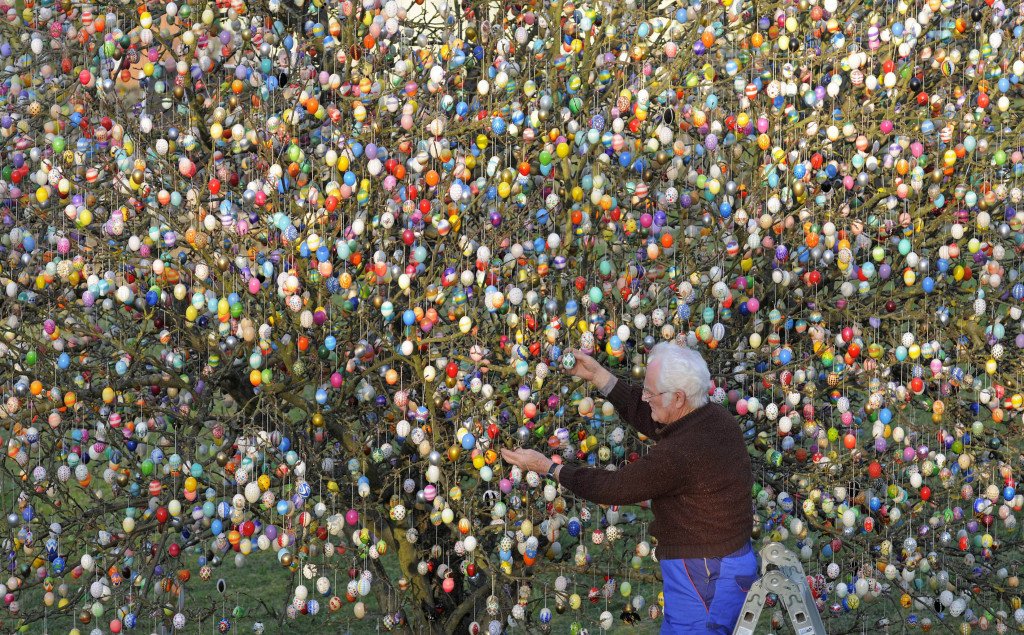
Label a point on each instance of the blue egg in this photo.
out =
(468, 441)
(330, 342)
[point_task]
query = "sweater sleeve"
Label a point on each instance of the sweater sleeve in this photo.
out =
(648, 477)
(628, 402)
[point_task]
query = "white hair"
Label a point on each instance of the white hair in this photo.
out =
(681, 369)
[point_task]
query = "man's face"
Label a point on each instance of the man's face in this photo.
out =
(664, 405)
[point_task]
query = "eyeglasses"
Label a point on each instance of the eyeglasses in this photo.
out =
(648, 395)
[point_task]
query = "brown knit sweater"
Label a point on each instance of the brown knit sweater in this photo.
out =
(697, 477)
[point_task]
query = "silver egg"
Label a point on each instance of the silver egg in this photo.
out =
(523, 434)
(434, 457)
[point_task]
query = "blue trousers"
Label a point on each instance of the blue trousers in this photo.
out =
(705, 595)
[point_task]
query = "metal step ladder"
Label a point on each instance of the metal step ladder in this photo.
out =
(783, 575)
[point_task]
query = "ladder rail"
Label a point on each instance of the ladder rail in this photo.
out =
(781, 575)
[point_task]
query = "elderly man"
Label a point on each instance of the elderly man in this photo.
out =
(697, 477)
